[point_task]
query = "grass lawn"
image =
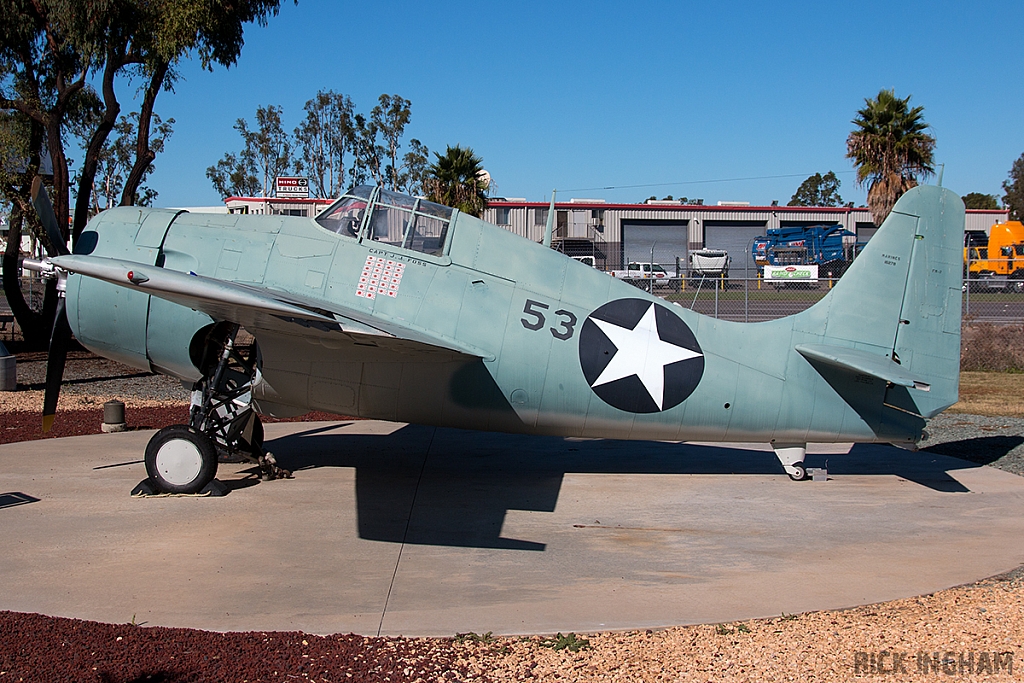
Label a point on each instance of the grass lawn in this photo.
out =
(991, 393)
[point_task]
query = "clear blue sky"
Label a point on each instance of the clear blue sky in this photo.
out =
(574, 95)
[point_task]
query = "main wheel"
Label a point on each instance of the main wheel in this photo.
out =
(180, 460)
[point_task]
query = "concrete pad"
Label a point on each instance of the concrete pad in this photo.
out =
(395, 529)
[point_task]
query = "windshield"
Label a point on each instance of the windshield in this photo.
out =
(410, 223)
(345, 216)
(395, 219)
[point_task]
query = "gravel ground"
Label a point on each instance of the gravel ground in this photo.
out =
(973, 632)
(995, 441)
(90, 381)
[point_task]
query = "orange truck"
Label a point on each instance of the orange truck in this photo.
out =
(998, 262)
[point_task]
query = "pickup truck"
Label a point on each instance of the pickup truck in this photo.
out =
(641, 271)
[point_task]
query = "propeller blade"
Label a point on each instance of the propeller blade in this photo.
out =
(44, 209)
(59, 342)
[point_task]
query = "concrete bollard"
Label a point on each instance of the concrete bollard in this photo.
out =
(113, 417)
(8, 370)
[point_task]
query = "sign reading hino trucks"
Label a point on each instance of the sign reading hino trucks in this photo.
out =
(291, 186)
(806, 273)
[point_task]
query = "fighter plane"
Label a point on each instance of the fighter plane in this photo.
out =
(392, 307)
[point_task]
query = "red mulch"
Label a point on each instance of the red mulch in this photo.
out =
(34, 647)
(27, 426)
(52, 650)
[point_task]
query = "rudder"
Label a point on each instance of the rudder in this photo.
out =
(928, 337)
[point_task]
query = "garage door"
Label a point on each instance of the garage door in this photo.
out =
(668, 238)
(735, 238)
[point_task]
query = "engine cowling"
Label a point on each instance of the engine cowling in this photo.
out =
(124, 324)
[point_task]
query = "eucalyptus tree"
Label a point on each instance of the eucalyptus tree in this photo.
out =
(378, 145)
(52, 50)
(890, 149)
(325, 137)
(415, 169)
(116, 160)
(19, 136)
(266, 153)
(267, 145)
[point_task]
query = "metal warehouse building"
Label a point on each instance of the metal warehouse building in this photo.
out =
(616, 234)
(619, 233)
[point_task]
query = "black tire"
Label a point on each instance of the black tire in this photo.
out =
(180, 460)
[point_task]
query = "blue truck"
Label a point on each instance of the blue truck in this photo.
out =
(830, 247)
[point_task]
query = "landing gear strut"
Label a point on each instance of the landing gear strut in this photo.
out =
(791, 455)
(222, 423)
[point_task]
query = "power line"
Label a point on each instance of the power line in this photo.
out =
(695, 182)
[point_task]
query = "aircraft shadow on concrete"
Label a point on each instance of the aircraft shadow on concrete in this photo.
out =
(14, 498)
(462, 488)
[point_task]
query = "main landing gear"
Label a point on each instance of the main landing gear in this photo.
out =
(222, 423)
(791, 455)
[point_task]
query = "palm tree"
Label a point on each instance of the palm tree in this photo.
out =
(890, 149)
(458, 179)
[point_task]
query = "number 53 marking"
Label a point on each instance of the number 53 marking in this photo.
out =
(535, 309)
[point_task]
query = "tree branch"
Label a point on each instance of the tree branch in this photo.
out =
(143, 154)
(112, 108)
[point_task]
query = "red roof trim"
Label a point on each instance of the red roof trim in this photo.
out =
(703, 207)
(675, 207)
(280, 200)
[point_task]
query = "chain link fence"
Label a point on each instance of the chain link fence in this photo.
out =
(755, 299)
(34, 289)
(742, 299)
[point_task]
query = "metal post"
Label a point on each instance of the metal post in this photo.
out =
(652, 267)
(747, 258)
(967, 285)
(716, 302)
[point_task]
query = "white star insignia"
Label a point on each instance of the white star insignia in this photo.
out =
(642, 352)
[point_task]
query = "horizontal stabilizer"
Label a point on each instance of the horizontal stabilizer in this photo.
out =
(863, 362)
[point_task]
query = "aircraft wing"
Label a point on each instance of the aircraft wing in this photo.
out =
(251, 306)
(863, 362)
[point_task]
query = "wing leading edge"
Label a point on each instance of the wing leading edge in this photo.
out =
(250, 306)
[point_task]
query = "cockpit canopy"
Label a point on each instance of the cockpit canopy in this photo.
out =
(398, 220)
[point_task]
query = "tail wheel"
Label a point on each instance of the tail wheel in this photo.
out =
(796, 471)
(181, 460)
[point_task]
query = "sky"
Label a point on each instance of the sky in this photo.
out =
(728, 100)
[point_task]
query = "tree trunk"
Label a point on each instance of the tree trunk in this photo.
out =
(34, 326)
(110, 113)
(60, 178)
(884, 193)
(143, 154)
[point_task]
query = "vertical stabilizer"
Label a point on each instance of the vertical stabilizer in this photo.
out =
(896, 312)
(928, 337)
